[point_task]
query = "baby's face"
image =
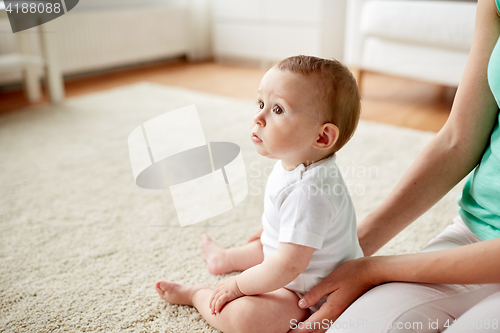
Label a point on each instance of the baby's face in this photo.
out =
(287, 122)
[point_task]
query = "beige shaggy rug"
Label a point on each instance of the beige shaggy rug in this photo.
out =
(81, 245)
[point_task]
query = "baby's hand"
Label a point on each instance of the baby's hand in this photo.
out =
(224, 292)
(256, 235)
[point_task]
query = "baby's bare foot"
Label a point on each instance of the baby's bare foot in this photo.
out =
(215, 256)
(176, 293)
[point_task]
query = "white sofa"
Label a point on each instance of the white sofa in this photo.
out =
(423, 40)
(266, 31)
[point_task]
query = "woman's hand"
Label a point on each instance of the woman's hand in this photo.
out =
(468, 264)
(256, 235)
(224, 292)
(345, 284)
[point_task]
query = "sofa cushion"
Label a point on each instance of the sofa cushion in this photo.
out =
(448, 24)
(439, 65)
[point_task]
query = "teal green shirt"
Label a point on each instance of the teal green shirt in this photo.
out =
(479, 203)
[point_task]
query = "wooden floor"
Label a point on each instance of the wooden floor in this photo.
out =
(385, 99)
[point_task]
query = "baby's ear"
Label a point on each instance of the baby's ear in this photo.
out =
(328, 135)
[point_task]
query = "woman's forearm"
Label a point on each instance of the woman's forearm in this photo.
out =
(470, 264)
(429, 178)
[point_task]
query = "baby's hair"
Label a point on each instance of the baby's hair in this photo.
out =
(342, 97)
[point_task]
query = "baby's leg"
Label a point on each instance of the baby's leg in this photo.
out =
(223, 261)
(271, 312)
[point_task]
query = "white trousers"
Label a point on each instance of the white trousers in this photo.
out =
(424, 308)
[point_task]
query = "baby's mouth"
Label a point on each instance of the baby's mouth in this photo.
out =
(255, 138)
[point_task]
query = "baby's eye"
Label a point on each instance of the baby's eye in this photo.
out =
(277, 109)
(261, 105)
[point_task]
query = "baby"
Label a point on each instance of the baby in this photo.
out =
(308, 108)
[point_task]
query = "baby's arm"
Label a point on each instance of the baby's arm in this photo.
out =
(275, 272)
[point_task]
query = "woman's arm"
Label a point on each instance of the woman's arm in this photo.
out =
(452, 153)
(469, 264)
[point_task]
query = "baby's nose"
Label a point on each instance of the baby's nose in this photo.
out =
(259, 119)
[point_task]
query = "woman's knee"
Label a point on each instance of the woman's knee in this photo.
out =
(371, 312)
(407, 307)
(482, 317)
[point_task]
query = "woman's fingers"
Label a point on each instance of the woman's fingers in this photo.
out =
(343, 286)
(322, 319)
(324, 288)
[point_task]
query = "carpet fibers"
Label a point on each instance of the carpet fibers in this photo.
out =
(81, 245)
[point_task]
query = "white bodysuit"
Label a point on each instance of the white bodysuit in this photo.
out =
(310, 206)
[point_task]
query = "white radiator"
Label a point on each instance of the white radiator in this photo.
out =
(106, 38)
